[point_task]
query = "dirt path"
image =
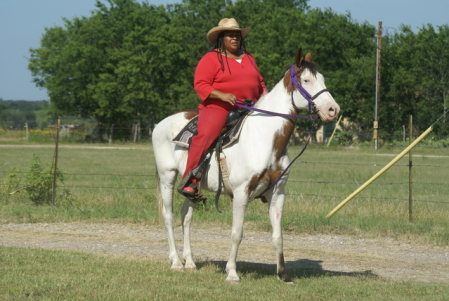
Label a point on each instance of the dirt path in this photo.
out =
(387, 258)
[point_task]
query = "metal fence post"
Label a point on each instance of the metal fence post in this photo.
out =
(55, 171)
(410, 138)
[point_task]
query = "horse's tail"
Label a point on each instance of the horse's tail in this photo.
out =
(159, 196)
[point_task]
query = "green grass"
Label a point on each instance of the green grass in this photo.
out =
(37, 274)
(118, 185)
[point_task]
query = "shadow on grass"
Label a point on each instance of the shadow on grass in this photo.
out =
(302, 268)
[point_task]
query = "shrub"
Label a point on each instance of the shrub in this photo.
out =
(40, 182)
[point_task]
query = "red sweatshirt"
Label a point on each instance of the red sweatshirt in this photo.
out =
(241, 79)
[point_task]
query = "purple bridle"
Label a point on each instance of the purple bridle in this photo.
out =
(302, 91)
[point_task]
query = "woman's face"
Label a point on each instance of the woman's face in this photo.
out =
(232, 40)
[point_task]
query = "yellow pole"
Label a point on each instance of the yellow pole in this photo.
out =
(398, 157)
(336, 125)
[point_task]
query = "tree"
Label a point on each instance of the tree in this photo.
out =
(342, 47)
(417, 76)
(16, 113)
(132, 61)
(110, 66)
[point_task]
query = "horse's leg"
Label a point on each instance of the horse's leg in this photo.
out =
(276, 205)
(167, 181)
(186, 216)
(239, 206)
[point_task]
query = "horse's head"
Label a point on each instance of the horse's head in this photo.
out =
(307, 88)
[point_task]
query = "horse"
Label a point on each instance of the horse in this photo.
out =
(255, 161)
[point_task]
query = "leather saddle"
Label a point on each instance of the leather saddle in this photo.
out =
(229, 133)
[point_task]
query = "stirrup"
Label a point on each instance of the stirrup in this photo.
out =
(184, 182)
(189, 191)
(193, 194)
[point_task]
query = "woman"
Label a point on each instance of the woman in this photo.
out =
(222, 76)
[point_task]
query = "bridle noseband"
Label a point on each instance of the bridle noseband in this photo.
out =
(303, 92)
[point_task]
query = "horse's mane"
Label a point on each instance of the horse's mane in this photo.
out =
(311, 66)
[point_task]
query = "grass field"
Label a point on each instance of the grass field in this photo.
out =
(118, 184)
(36, 274)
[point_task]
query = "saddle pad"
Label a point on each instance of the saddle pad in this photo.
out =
(191, 129)
(185, 135)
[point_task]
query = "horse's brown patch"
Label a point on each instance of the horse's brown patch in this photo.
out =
(268, 176)
(303, 63)
(282, 138)
(308, 57)
(189, 114)
(275, 173)
(287, 82)
(256, 180)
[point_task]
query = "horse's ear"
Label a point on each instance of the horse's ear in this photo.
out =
(308, 57)
(299, 57)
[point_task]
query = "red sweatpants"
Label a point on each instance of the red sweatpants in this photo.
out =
(210, 122)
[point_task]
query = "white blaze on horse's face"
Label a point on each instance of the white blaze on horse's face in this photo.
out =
(325, 104)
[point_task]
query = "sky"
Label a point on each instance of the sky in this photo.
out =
(23, 22)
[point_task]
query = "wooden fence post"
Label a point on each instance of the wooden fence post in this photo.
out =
(111, 133)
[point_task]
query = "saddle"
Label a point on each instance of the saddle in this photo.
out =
(228, 136)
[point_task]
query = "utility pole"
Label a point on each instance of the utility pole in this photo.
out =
(377, 100)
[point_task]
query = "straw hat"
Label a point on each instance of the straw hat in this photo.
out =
(225, 24)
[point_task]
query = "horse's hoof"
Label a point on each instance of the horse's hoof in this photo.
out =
(190, 268)
(233, 281)
(285, 278)
(177, 269)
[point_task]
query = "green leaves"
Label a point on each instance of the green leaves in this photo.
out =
(132, 61)
(40, 182)
(417, 75)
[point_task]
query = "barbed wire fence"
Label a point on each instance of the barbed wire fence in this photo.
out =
(135, 137)
(150, 180)
(136, 133)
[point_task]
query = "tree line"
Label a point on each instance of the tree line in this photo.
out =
(15, 114)
(132, 61)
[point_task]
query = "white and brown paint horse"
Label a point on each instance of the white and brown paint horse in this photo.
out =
(254, 162)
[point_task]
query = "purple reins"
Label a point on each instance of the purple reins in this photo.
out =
(240, 103)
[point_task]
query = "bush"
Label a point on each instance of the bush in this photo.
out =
(345, 138)
(40, 182)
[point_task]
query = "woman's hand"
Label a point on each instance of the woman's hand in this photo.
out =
(225, 97)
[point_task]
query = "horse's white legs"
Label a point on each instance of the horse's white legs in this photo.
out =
(167, 181)
(238, 215)
(276, 205)
(186, 216)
